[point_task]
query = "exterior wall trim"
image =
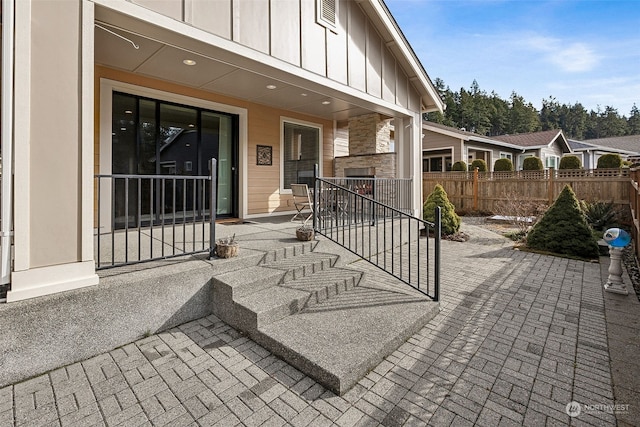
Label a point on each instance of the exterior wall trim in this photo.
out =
(7, 139)
(22, 135)
(87, 132)
(52, 279)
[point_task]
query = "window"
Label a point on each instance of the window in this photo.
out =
(553, 162)
(521, 158)
(326, 13)
(506, 156)
(300, 152)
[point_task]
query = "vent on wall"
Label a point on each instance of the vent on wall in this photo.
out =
(327, 13)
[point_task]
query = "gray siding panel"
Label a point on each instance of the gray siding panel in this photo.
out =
(314, 50)
(357, 47)
(374, 63)
(402, 87)
(285, 30)
(388, 76)
(170, 8)
(251, 24)
(213, 16)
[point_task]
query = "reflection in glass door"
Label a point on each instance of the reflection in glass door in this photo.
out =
(151, 137)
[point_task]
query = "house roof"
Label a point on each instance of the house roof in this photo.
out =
(628, 143)
(579, 145)
(531, 139)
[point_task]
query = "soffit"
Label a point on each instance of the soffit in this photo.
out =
(161, 53)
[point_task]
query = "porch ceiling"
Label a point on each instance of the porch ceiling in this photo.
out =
(161, 53)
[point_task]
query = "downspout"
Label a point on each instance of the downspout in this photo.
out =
(6, 209)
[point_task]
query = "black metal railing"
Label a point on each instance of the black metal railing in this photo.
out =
(149, 217)
(406, 247)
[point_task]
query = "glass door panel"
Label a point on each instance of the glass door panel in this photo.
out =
(217, 142)
(178, 154)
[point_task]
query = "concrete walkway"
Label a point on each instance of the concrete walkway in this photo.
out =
(519, 337)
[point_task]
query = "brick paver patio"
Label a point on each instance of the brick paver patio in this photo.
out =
(520, 335)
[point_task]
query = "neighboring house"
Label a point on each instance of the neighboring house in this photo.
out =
(444, 145)
(590, 150)
(97, 86)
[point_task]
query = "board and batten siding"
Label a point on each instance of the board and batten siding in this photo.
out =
(263, 128)
(353, 54)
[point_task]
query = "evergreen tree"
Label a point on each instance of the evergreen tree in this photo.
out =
(633, 122)
(563, 229)
(450, 221)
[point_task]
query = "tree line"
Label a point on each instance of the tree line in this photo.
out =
(488, 114)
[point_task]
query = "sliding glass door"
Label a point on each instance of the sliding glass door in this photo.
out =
(152, 137)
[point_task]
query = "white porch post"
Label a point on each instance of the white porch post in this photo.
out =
(7, 141)
(53, 148)
(408, 143)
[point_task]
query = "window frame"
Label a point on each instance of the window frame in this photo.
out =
(319, 127)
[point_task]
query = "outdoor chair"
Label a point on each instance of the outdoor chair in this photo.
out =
(302, 202)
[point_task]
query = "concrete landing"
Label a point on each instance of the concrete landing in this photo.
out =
(327, 313)
(340, 340)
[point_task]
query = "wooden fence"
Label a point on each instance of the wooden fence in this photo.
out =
(483, 191)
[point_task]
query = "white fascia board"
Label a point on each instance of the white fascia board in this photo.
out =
(270, 65)
(403, 45)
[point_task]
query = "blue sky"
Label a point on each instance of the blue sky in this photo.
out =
(576, 51)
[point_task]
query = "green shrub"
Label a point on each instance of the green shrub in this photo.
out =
(570, 162)
(599, 215)
(450, 221)
(459, 166)
(503, 165)
(532, 164)
(480, 164)
(609, 161)
(563, 229)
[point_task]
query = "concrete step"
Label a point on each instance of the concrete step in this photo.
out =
(274, 303)
(338, 341)
(299, 266)
(257, 286)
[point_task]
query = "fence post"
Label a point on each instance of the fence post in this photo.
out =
(213, 206)
(550, 189)
(475, 189)
(436, 259)
(316, 194)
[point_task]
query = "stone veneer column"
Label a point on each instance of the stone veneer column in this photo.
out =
(369, 134)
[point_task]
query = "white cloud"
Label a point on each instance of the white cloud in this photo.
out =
(571, 58)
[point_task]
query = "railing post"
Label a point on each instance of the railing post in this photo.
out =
(436, 258)
(475, 189)
(213, 206)
(550, 189)
(316, 172)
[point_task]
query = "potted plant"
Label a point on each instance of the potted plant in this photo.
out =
(227, 247)
(304, 232)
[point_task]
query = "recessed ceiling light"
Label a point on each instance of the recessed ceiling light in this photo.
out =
(188, 62)
(303, 94)
(271, 86)
(128, 112)
(123, 128)
(191, 125)
(326, 102)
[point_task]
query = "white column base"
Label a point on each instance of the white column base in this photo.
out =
(50, 280)
(616, 288)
